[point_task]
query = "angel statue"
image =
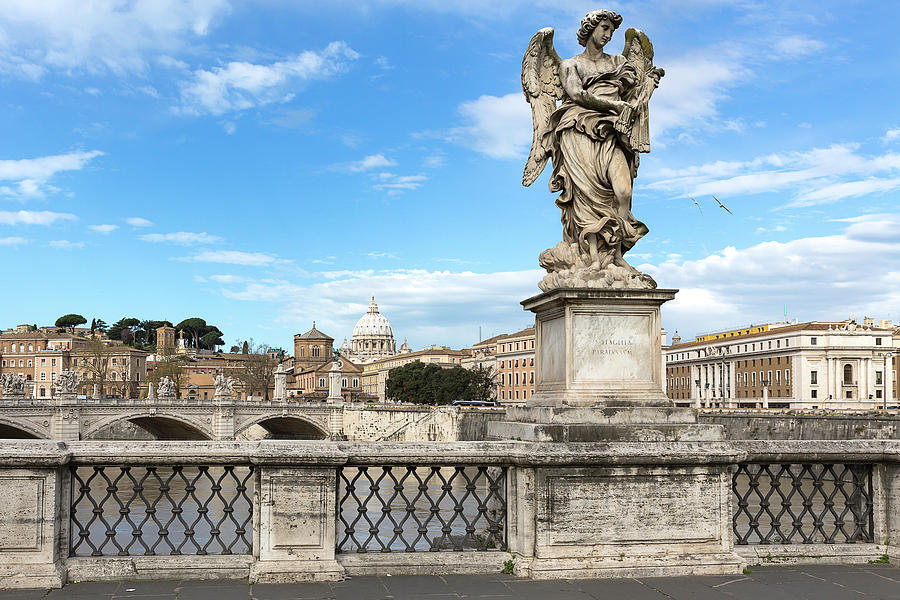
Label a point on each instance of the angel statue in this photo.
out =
(593, 138)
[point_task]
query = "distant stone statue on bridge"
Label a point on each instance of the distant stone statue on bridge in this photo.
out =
(66, 383)
(12, 385)
(224, 387)
(165, 389)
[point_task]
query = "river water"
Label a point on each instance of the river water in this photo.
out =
(199, 519)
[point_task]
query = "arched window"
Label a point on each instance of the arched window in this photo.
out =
(315, 351)
(848, 374)
(302, 351)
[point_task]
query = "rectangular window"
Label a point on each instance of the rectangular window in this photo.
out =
(43, 376)
(52, 362)
(43, 362)
(753, 378)
(814, 377)
(878, 378)
(877, 341)
(787, 376)
(770, 377)
(503, 394)
(813, 341)
(849, 395)
(777, 377)
(878, 393)
(813, 394)
(502, 378)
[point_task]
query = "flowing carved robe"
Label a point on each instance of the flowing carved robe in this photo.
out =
(583, 141)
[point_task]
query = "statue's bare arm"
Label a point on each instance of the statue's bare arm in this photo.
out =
(574, 88)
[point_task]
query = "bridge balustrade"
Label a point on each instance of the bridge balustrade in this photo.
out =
(286, 511)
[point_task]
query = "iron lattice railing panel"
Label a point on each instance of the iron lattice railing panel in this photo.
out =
(127, 511)
(415, 509)
(803, 503)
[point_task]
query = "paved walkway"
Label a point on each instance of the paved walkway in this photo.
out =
(823, 582)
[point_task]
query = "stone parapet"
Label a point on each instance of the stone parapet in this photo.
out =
(566, 509)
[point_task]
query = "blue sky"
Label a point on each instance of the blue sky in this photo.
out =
(267, 164)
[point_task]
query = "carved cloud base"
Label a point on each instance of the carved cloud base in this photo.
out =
(566, 268)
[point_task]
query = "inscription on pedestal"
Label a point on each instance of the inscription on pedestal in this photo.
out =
(298, 504)
(611, 348)
(21, 513)
(628, 508)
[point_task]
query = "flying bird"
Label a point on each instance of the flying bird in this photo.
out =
(698, 206)
(723, 206)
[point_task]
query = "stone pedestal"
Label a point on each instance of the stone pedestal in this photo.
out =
(598, 347)
(296, 526)
(599, 372)
(30, 527)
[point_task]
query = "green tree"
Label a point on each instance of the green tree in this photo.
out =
(71, 321)
(429, 383)
(124, 329)
(194, 327)
(211, 339)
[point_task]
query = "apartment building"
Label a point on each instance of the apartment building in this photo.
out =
(840, 365)
(41, 354)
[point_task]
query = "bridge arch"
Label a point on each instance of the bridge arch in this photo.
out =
(17, 430)
(283, 427)
(159, 426)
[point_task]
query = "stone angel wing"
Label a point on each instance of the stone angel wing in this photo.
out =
(542, 87)
(634, 121)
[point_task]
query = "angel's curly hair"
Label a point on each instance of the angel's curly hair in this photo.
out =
(592, 19)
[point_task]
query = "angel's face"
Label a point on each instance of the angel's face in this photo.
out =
(602, 33)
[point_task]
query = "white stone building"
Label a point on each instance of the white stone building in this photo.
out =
(840, 365)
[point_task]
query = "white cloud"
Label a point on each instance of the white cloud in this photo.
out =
(228, 279)
(798, 46)
(138, 222)
(66, 245)
(814, 176)
(234, 257)
(367, 163)
(852, 273)
(104, 229)
(183, 238)
(394, 184)
(892, 135)
(442, 307)
(499, 127)
(31, 174)
(689, 95)
(34, 217)
(241, 85)
(12, 241)
(97, 36)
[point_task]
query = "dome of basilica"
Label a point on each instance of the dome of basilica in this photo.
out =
(373, 323)
(372, 338)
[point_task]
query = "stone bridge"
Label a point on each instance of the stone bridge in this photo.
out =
(90, 419)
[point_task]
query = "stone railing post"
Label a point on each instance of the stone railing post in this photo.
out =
(295, 518)
(66, 423)
(890, 485)
(33, 515)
